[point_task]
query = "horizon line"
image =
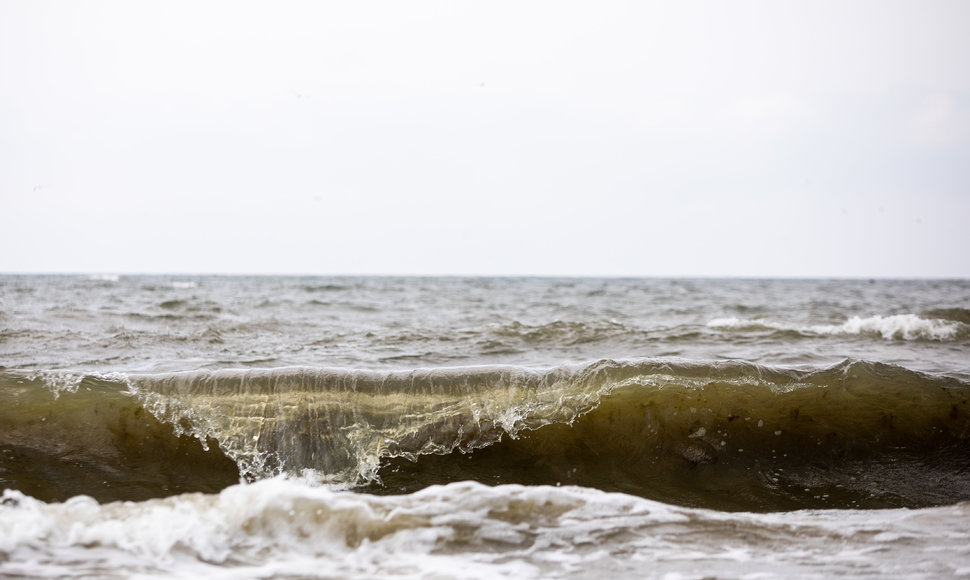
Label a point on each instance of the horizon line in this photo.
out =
(110, 273)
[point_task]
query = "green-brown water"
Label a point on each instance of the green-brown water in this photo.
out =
(675, 396)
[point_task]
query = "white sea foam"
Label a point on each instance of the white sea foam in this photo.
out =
(894, 327)
(464, 530)
(905, 326)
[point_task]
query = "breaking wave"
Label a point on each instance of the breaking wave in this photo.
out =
(946, 325)
(729, 435)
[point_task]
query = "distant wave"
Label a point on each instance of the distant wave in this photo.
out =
(894, 327)
(562, 332)
(103, 277)
(954, 314)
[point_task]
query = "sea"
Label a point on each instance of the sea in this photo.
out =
(477, 427)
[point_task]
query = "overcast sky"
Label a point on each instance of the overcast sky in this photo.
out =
(552, 138)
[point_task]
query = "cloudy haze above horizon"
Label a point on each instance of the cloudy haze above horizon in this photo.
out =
(497, 138)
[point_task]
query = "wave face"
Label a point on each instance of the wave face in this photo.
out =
(727, 435)
(66, 434)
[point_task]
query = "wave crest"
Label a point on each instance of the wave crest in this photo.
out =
(640, 426)
(894, 327)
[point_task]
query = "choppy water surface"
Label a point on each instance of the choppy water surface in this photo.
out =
(361, 427)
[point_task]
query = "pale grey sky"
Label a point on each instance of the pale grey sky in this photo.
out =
(719, 138)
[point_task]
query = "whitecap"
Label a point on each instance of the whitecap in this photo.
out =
(893, 327)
